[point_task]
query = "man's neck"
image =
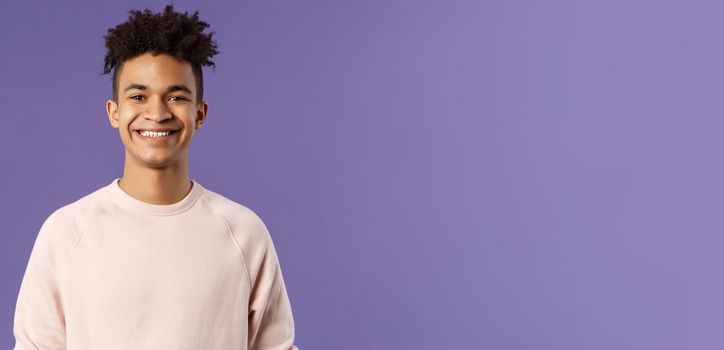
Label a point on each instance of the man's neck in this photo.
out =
(161, 186)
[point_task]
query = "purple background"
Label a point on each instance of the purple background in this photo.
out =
(435, 174)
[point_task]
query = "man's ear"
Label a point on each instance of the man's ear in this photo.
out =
(112, 111)
(201, 110)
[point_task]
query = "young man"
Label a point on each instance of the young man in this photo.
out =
(154, 260)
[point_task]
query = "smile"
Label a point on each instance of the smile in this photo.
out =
(157, 135)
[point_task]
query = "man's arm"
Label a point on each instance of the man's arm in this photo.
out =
(271, 324)
(39, 318)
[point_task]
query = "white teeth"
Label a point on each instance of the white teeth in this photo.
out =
(154, 133)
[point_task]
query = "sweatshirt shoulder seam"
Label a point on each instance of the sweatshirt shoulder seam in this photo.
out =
(231, 235)
(71, 256)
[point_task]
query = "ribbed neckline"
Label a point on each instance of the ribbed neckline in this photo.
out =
(125, 200)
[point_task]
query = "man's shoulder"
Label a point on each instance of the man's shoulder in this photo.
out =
(60, 227)
(83, 205)
(239, 218)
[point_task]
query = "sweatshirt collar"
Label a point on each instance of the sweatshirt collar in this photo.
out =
(127, 201)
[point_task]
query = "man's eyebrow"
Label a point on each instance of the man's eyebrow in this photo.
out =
(172, 88)
(135, 86)
(179, 87)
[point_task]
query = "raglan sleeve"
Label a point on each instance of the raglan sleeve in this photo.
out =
(271, 323)
(39, 321)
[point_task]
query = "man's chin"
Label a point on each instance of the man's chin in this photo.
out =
(152, 162)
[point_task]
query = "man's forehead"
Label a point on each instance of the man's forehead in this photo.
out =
(154, 76)
(155, 67)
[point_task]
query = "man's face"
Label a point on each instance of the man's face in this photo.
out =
(156, 93)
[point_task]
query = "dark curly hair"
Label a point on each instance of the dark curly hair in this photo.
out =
(169, 32)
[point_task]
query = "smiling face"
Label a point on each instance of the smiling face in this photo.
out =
(156, 93)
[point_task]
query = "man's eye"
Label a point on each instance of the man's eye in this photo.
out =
(177, 98)
(137, 97)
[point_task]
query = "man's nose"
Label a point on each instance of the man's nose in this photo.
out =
(157, 110)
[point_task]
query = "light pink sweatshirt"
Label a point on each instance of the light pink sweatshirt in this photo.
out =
(109, 271)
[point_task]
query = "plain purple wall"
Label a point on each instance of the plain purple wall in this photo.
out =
(435, 174)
